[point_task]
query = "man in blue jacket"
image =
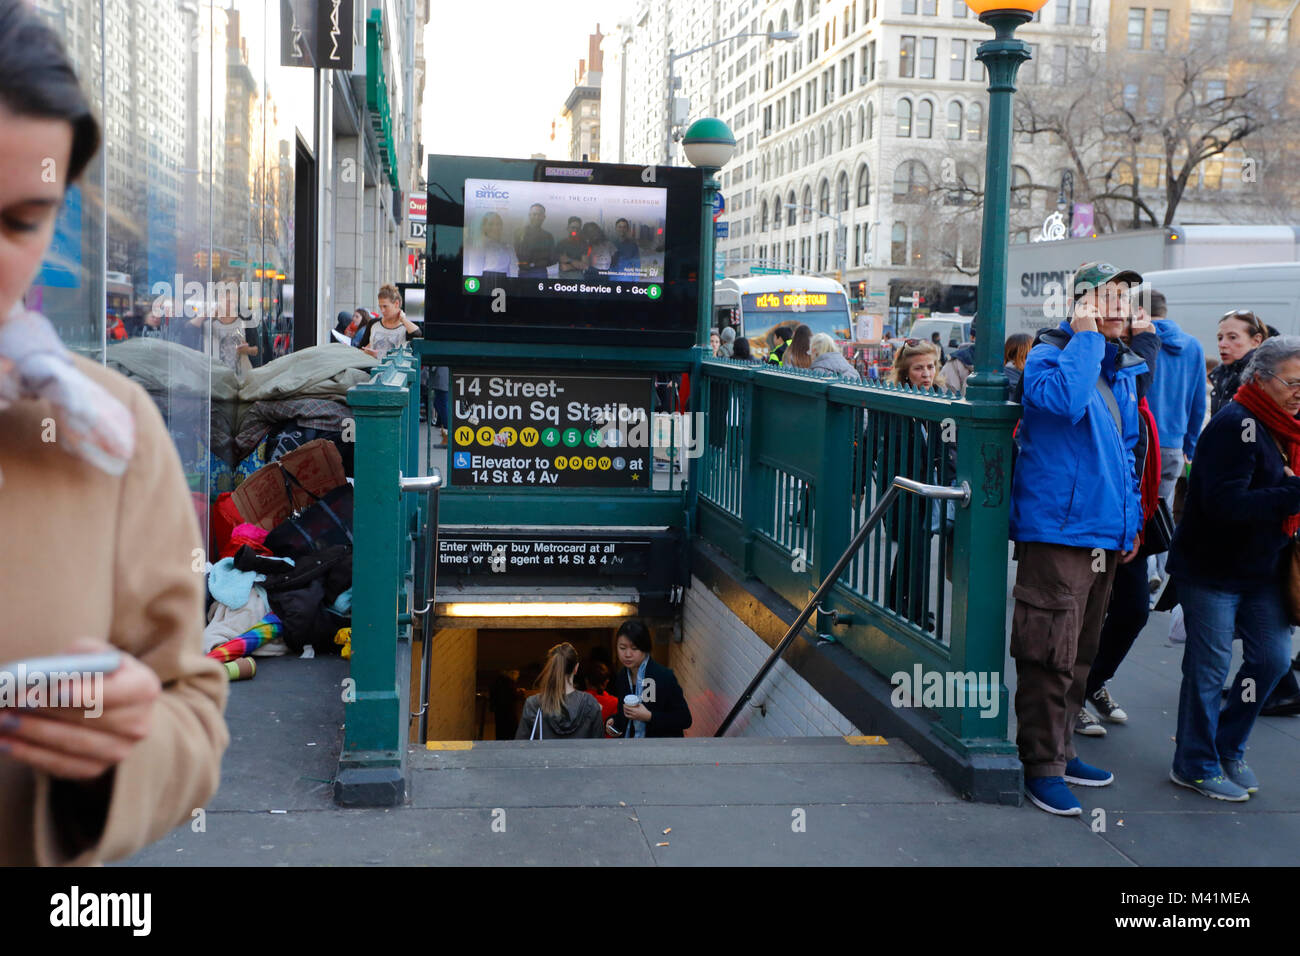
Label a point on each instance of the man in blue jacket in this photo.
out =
(1176, 398)
(1075, 515)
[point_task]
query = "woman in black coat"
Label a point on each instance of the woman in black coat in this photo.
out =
(662, 711)
(1240, 333)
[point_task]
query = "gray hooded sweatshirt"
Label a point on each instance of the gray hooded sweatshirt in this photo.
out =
(578, 718)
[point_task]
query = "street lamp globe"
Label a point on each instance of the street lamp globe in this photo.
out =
(709, 143)
(982, 7)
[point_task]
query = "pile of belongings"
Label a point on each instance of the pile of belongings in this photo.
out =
(231, 425)
(283, 580)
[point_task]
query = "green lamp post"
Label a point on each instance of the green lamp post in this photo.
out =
(709, 145)
(1002, 57)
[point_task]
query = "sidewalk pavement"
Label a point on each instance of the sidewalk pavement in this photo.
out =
(744, 801)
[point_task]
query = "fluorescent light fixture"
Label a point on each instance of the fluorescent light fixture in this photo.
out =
(539, 609)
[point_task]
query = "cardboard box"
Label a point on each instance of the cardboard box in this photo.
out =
(262, 500)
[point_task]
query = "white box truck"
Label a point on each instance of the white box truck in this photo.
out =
(1038, 273)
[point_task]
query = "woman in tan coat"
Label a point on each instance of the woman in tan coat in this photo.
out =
(101, 547)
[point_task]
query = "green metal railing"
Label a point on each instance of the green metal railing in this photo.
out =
(794, 464)
(386, 418)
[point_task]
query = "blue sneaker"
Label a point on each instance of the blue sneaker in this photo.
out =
(1051, 794)
(1086, 775)
(1216, 788)
(1241, 775)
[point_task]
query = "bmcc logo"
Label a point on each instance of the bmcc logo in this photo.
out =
(491, 191)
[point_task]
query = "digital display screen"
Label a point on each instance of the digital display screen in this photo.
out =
(546, 251)
(565, 238)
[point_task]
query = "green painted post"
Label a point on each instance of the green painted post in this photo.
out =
(376, 718)
(984, 446)
(708, 144)
(704, 322)
(1002, 57)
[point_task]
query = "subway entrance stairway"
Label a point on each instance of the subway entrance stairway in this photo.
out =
(327, 765)
(733, 801)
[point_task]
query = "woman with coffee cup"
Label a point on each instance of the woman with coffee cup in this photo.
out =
(653, 704)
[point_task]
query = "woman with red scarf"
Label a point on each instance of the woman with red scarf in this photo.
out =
(1228, 558)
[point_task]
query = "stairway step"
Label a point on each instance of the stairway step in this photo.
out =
(690, 751)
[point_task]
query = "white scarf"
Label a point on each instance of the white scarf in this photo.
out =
(89, 422)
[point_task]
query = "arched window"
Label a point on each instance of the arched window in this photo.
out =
(808, 146)
(794, 158)
(869, 122)
(904, 113)
(955, 114)
(790, 209)
(842, 193)
(807, 203)
(771, 28)
(864, 185)
(898, 244)
(785, 21)
(776, 211)
(798, 13)
(924, 119)
(824, 196)
(848, 127)
(762, 216)
(1021, 187)
(841, 132)
(911, 182)
(822, 152)
(975, 121)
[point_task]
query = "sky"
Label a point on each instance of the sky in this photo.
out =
(500, 70)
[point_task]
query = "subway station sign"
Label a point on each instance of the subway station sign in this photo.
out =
(550, 431)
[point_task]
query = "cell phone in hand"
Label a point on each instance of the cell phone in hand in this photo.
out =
(104, 662)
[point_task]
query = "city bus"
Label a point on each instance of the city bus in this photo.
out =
(754, 305)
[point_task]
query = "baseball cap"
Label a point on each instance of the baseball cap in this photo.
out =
(1092, 275)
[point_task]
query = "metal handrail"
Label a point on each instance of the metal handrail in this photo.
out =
(899, 484)
(425, 584)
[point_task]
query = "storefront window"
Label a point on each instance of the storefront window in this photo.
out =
(174, 259)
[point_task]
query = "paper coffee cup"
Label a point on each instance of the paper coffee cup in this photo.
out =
(631, 700)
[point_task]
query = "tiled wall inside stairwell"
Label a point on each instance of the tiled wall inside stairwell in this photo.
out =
(719, 656)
